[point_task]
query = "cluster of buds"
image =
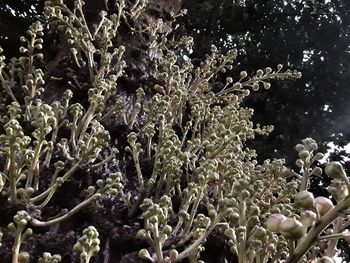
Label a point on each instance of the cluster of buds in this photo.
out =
(20, 232)
(48, 258)
(23, 69)
(210, 148)
(156, 230)
(88, 244)
(18, 156)
(311, 216)
(111, 186)
(260, 78)
(306, 151)
(138, 8)
(336, 171)
(169, 162)
(33, 44)
(33, 89)
(88, 41)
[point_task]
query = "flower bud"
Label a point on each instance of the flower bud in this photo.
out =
(229, 80)
(268, 70)
(167, 230)
(255, 86)
(308, 218)
(292, 228)
(237, 86)
(313, 146)
(144, 254)
(267, 85)
(230, 233)
(260, 232)
(304, 154)
(317, 171)
(299, 163)
(304, 199)
(141, 234)
(234, 218)
(299, 147)
(323, 205)
(273, 222)
(335, 170)
(173, 254)
(259, 73)
(319, 156)
(243, 74)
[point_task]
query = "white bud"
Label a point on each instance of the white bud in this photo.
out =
(273, 222)
(292, 228)
(308, 218)
(243, 74)
(323, 205)
(255, 86)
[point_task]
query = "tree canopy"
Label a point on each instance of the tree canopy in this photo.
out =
(311, 36)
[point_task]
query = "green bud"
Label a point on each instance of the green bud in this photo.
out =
(304, 199)
(144, 254)
(299, 163)
(260, 232)
(245, 194)
(254, 210)
(167, 230)
(268, 70)
(212, 213)
(28, 232)
(304, 154)
(243, 74)
(173, 254)
(259, 73)
(267, 85)
(317, 171)
(255, 86)
(234, 218)
(335, 170)
(319, 156)
(230, 233)
(229, 80)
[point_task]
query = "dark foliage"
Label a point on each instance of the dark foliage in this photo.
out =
(311, 36)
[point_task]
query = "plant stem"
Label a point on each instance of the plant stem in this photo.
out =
(74, 210)
(16, 246)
